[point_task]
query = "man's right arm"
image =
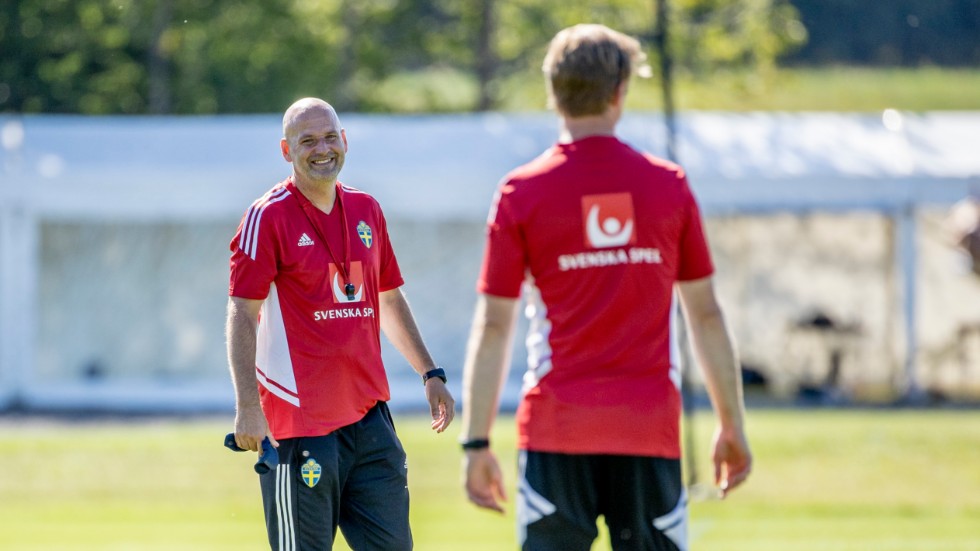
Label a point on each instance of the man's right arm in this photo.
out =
(241, 328)
(487, 362)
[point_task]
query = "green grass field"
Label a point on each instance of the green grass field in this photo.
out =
(882, 480)
(848, 89)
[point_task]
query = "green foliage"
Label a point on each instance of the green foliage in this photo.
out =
(225, 56)
(239, 57)
(746, 34)
(82, 56)
(415, 56)
(428, 90)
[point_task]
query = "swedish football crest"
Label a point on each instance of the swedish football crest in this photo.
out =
(364, 232)
(310, 471)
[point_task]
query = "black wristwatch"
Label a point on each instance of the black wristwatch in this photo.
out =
(438, 373)
(475, 444)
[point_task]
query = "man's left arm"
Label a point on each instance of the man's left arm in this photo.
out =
(716, 355)
(400, 328)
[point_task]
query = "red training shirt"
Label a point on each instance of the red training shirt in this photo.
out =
(599, 233)
(318, 354)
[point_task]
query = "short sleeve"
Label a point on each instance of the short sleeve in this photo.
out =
(695, 256)
(254, 261)
(505, 253)
(390, 275)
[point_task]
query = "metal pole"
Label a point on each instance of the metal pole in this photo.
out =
(660, 39)
(908, 267)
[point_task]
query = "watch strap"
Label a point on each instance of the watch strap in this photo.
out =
(438, 373)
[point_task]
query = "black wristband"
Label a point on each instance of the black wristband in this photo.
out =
(475, 444)
(438, 372)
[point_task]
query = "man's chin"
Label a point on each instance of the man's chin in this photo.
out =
(321, 176)
(330, 171)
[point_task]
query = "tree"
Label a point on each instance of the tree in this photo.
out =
(227, 56)
(486, 57)
(73, 57)
(734, 34)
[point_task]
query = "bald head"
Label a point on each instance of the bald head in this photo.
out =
(315, 143)
(303, 107)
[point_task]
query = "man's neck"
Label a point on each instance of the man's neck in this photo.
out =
(573, 129)
(321, 194)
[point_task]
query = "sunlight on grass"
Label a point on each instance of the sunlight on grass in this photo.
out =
(897, 480)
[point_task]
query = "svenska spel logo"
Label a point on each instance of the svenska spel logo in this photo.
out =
(337, 283)
(609, 220)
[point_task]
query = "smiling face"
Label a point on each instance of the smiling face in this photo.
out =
(314, 142)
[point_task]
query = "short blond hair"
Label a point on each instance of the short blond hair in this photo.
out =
(585, 65)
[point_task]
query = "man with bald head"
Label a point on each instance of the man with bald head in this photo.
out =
(313, 281)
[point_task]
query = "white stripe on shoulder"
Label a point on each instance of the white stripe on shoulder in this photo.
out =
(249, 240)
(348, 189)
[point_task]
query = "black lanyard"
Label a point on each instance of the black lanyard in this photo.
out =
(344, 267)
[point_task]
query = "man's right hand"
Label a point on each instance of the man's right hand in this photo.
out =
(251, 428)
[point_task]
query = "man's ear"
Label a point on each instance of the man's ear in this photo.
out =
(284, 146)
(621, 90)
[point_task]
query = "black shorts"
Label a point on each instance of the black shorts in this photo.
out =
(355, 478)
(561, 496)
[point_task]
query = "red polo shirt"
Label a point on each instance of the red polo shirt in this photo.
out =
(318, 354)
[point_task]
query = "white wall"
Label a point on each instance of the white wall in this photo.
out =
(114, 231)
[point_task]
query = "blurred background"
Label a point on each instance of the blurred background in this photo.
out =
(826, 140)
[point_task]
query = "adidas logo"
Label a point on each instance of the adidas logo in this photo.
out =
(305, 241)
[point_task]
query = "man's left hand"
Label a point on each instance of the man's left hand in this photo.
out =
(441, 404)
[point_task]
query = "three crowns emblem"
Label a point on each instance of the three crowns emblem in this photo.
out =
(364, 232)
(310, 471)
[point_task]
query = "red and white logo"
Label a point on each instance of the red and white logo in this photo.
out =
(337, 283)
(609, 220)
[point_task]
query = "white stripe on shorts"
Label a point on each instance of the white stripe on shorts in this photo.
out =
(674, 524)
(284, 509)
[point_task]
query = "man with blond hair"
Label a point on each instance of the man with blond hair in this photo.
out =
(600, 236)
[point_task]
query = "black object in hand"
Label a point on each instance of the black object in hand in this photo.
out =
(268, 459)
